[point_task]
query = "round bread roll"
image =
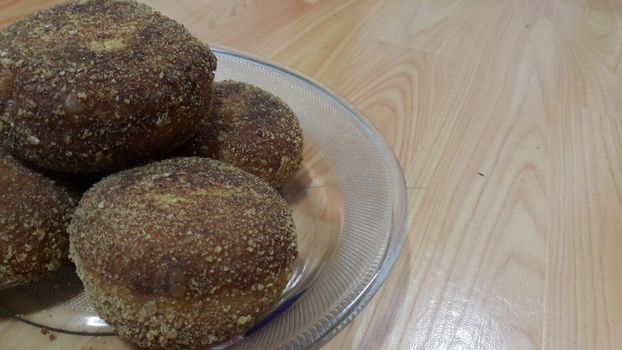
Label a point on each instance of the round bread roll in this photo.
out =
(184, 252)
(34, 213)
(98, 85)
(251, 129)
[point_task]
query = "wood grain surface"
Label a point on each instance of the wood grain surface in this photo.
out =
(507, 119)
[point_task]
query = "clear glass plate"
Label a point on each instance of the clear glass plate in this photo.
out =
(350, 206)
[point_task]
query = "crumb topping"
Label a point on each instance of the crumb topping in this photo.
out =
(99, 85)
(251, 129)
(198, 237)
(34, 213)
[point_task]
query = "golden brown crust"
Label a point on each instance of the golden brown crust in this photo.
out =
(98, 85)
(34, 213)
(184, 233)
(251, 129)
(157, 323)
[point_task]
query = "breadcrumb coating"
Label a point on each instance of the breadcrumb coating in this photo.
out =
(251, 129)
(99, 85)
(183, 252)
(34, 213)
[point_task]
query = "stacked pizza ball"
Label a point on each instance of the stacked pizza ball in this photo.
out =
(181, 239)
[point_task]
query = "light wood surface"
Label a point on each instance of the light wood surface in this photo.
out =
(507, 118)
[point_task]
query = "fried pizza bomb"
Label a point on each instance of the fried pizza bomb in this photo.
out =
(35, 211)
(93, 86)
(183, 253)
(251, 129)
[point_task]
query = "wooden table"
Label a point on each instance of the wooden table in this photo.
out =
(507, 118)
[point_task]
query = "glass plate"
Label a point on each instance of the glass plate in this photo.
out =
(350, 207)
